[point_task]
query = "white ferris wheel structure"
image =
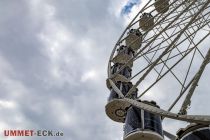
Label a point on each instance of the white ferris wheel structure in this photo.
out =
(166, 44)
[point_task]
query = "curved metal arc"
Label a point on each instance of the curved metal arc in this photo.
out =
(113, 51)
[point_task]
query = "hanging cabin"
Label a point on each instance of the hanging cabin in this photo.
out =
(194, 132)
(134, 39)
(124, 75)
(142, 125)
(146, 21)
(124, 54)
(116, 108)
(161, 6)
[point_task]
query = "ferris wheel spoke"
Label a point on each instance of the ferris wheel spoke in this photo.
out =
(170, 45)
(160, 32)
(187, 100)
(182, 53)
(162, 76)
(184, 18)
(164, 62)
(159, 73)
(192, 42)
(191, 39)
(127, 64)
(168, 20)
(148, 40)
(203, 18)
(182, 93)
(187, 35)
(190, 50)
(165, 65)
(165, 33)
(142, 78)
(151, 50)
(155, 24)
(200, 18)
(191, 34)
(190, 65)
(168, 36)
(150, 62)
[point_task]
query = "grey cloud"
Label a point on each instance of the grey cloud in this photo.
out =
(47, 90)
(31, 64)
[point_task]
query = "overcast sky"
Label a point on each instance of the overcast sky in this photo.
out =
(53, 63)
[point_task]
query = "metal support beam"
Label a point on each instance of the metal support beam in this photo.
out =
(187, 100)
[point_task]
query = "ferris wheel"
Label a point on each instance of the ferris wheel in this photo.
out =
(164, 45)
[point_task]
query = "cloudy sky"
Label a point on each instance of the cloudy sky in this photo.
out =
(53, 60)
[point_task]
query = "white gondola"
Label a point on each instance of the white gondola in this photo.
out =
(116, 108)
(146, 21)
(134, 39)
(124, 54)
(161, 6)
(142, 125)
(123, 76)
(194, 132)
